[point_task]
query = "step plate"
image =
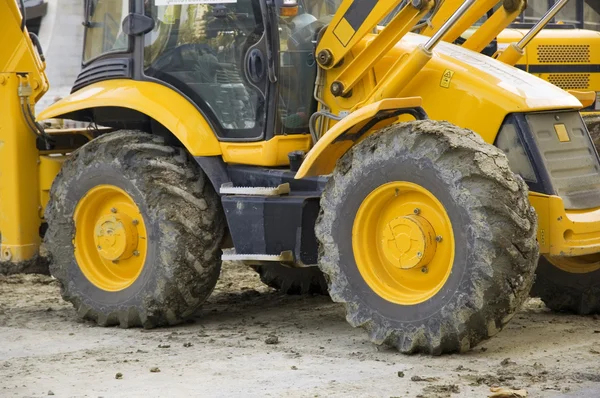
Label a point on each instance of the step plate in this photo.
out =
(229, 189)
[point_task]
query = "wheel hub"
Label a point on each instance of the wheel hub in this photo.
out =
(403, 242)
(110, 238)
(116, 237)
(408, 242)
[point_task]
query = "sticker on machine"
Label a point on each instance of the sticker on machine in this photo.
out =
(178, 2)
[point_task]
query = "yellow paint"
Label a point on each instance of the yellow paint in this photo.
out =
(565, 233)
(324, 154)
(48, 168)
(396, 245)
(111, 240)
(273, 152)
(344, 32)
(576, 265)
(446, 78)
(19, 188)
(561, 132)
(159, 102)
(587, 98)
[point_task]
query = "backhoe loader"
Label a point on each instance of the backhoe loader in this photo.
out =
(421, 178)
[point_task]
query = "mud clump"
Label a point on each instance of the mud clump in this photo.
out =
(426, 379)
(272, 339)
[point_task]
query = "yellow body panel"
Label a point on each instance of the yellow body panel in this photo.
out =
(565, 233)
(159, 102)
(273, 152)
(48, 168)
(19, 191)
(322, 157)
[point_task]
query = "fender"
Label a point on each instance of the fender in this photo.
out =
(159, 102)
(321, 159)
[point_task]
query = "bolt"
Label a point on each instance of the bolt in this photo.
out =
(113, 210)
(397, 191)
(325, 58)
(439, 238)
(419, 254)
(424, 270)
(136, 253)
(418, 4)
(557, 117)
(99, 247)
(135, 222)
(115, 261)
(417, 211)
(337, 88)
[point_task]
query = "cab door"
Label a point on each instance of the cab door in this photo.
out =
(214, 54)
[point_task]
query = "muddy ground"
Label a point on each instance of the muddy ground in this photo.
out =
(45, 350)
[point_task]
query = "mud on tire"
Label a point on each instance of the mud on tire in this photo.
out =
(495, 233)
(183, 217)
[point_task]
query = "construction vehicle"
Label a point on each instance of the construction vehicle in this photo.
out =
(383, 174)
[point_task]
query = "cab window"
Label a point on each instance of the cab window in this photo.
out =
(103, 32)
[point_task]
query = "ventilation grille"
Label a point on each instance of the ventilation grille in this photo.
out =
(113, 68)
(568, 54)
(570, 81)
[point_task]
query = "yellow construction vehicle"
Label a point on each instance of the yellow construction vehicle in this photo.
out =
(205, 124)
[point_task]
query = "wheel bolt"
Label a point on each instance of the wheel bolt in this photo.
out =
(419, 254)
(417, 210)
(438, 238)
(113, 210)
(136, 253)
(99, 247)
(424, 270)
(135, 222)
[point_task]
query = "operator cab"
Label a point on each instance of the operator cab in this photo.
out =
(222, 57)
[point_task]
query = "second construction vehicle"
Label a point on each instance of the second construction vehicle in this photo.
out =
(406, 173)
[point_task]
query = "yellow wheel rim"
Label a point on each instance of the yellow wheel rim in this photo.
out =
(576, 265)
(110, 238)
(403, 243)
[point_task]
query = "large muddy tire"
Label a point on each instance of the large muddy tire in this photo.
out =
(485, 256)
(309, 280)
(573, 287)
(132, 178)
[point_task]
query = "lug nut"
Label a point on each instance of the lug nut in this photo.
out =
(424, 270)
(136, 253)
(135, 222)
(99, 247)
(438, 238)
(417, 211)
(419, 254)
(113, 210)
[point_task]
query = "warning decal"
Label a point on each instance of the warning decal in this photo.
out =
(174, 2)
(446, 78)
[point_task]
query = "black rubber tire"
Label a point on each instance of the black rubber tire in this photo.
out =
(564, 291)
(291, 281)
(182, 214)
(496, 251)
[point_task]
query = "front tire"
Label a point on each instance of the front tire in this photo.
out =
(134, 231)
(385, 256)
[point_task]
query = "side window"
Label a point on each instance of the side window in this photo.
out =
(103, 32)
(201, 49)
(591, 15)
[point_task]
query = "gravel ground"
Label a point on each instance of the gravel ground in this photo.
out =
(252, 341)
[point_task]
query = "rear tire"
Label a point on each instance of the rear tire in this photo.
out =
(308, 280)
(564, 291)
(494, 255)
(183, 225)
